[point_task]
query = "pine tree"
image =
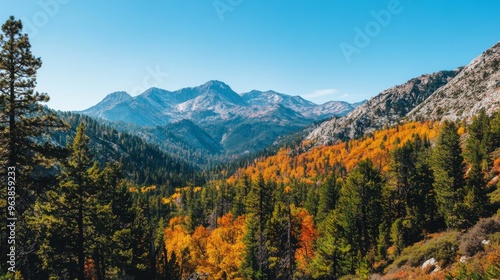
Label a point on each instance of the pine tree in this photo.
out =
(359, 211)
(448, 167)
(110, 242)
(312, 201)
(79, 190)
(241, 192)
(283, 238)
(84, 225)
(22, 117)
(23, 125)
(160, 252)
(330, 260)
(495, 130)
(328, 196)
(397, 236)
(259, 206)
(64, 220)
(141, 236)
(478, 147)
(250, 266)
(410, 181)
(479, 144)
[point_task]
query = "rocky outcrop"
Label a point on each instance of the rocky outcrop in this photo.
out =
(387, 108)
(476, 87)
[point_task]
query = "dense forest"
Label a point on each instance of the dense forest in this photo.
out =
(83, 201)
(354, 208)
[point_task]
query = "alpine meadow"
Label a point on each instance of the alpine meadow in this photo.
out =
(217, 180)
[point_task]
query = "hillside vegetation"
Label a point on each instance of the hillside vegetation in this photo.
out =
(379, 205)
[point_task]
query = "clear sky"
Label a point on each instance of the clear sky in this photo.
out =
(322, 50)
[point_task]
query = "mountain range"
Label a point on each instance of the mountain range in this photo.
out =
(211, 102)
(212, 122)
(212, 119)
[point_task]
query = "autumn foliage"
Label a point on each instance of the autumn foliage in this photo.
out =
(215, 252)
(315, 204)
(290, 164)
(308, 235)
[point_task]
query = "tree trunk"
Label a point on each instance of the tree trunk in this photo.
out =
(81, 256)
(12, 111)
(152, 254)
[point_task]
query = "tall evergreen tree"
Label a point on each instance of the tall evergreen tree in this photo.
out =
(241, 192)
(359, 211)
(106, 218)
(63, 218)
(479, 144)
(312, 200)
(22, 117)
(330, 260)
(23, 122)
(478, 147)
(283, 237)
(84, 225)
(77, 182)
(448, 167)
(410, 181)
(259, 206)
(142, 240)
(495, 130)
(328, 196)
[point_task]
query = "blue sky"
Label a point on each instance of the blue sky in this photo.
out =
(322, 50)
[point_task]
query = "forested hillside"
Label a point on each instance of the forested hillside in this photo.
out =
(355, 208)
(142, 163)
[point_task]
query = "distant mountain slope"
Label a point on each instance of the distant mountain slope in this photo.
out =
(211, 120)
(341, 108)
(296, 103)
(270, 97)
(384, 109)
(142, 163)
(108, 103)
(184, 139)
(475, 88)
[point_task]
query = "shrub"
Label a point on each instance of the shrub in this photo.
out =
(494, 238)
(442, 248)
(470, 242)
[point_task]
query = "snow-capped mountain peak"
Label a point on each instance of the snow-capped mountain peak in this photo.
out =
(207, 103)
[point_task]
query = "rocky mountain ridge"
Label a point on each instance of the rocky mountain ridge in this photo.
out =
(384, 109)
(476, 87)
(457, 94)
